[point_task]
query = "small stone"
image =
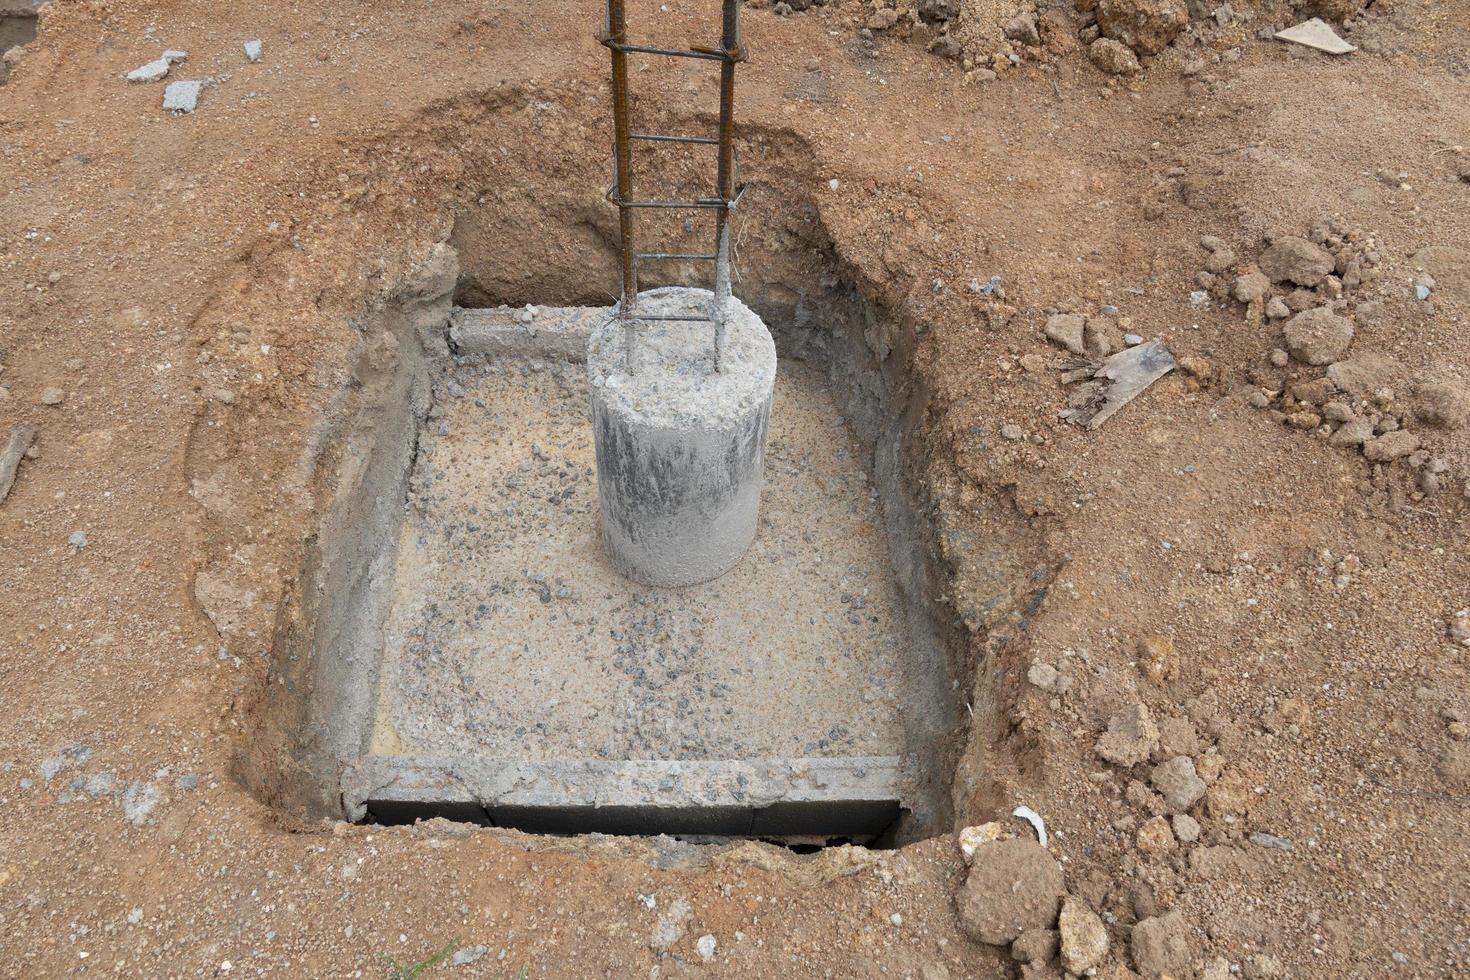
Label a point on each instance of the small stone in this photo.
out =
(1113, 58)
(1314, 392)
(1296, 260)
(1319, 336)
(1042, 675)
(1251, 287)
(182, 97)
(1179, 784)
(705, 945)
(78, 539)
(1221, 261)
(1354, 432)
(1160, 946)
(254, 49)
(1022, 28)
(1338, 412)
(53, 396)
(1130, 738)
(1012, 432)
(1306, 421)
(463, 957)
(1067, 329)
(1390, 446)
(1132, 339)
(1013, 885)
(174, 56)
(1185, 827)
(1270, 840)
(135, 916)
(971, 839)
(1156, 658)
(882, 19)
(1084, 940)
(1276, 308)
(1279, 358)
(150, 72)
(1156, 838)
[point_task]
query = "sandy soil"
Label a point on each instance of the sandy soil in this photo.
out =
(192, 285)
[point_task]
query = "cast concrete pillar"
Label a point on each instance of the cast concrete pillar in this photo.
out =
(680, 447)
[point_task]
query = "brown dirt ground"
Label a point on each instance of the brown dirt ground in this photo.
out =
(257, 229)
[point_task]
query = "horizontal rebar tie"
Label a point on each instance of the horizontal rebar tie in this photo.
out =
(663, 138)
(704, 54)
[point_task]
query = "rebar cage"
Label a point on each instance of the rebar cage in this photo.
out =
(730, 52)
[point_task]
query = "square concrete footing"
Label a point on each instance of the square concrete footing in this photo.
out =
(520, 681)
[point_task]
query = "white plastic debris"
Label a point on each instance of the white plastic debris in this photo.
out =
(182, 96)
(1034, 819)
(254, 49)
(150, 72)
(1316, 33)
(1116, 382)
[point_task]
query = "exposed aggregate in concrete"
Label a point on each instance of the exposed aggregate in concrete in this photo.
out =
(511, 636)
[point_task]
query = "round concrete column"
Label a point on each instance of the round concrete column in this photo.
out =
(680, 447)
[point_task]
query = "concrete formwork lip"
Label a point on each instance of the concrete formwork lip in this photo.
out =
(674, 383)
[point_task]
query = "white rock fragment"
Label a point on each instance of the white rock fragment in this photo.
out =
(254, 50)
(706, 947)
(182, 96)
(150, 72)
(1316, 33)
(174, 56)
(973, 838)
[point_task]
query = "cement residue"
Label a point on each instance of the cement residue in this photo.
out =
(673, 383)
(512, 637)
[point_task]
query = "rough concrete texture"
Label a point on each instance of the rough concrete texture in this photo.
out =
(511, 637)
(680, 446)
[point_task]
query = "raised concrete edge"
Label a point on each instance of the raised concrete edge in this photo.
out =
(590, 782)
(504, 331)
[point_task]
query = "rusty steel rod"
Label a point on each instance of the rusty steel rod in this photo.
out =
(617, 32)
(730, 44)
(729, 53)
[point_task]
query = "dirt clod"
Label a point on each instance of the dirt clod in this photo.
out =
(1160, 946)
(1084, 940)
(1113, 57)
(1013, 885)
(1146, 26)
(1296, 260)
(1319, 336)
(1131, 736)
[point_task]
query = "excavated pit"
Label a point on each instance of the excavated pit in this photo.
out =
(460, 646)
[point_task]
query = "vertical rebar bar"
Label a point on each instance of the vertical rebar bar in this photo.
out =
(730, 45)
(617, 33)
